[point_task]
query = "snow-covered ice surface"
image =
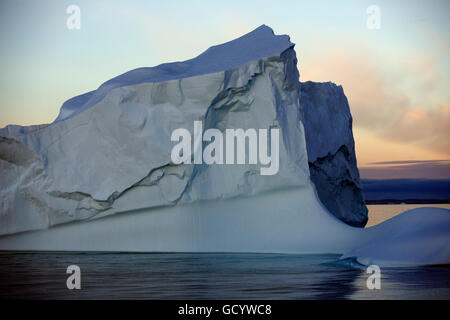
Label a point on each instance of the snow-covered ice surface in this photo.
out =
(100, 178)
(258, 44)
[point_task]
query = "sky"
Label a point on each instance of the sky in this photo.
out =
(396, 78)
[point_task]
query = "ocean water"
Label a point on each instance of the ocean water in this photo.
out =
(214, 276)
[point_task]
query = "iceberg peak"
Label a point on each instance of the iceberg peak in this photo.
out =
(253, 46)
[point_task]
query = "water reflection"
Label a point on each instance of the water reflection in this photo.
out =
(210, 276)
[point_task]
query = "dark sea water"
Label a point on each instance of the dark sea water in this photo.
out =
(211, 276)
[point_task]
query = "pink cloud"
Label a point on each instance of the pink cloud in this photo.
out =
(395, 98)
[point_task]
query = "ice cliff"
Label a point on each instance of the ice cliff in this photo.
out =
(331, 151)
(105, 163)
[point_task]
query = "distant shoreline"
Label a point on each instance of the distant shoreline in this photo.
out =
(408, 201)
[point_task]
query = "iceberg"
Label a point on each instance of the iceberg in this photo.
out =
(415, 237)
(101, 176)
(331, 151)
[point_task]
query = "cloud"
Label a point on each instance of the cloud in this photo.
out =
(411, 162)
(401, 97)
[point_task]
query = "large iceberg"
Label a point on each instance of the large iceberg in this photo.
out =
(101, 176)
(109, 151)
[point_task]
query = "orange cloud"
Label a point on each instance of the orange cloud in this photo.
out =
(395, 99)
